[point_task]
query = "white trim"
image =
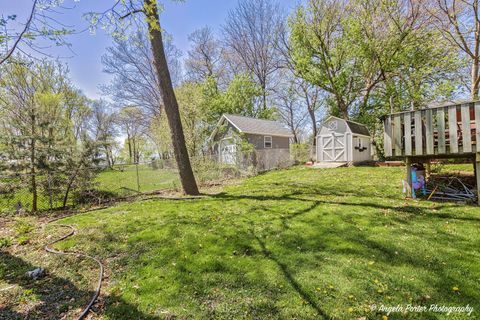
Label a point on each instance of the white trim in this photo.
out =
(232, 123)
(269, 134)
(361, 135)
(215, 131)
(264, 142)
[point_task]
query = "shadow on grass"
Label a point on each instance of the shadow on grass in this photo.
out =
(408, 209)
(52, 296)
(290, 279)
(359, 244)
(286, 252)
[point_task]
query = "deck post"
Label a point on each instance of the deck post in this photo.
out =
(477, 171)
(428, 169)
(474, 167)
(408, 163)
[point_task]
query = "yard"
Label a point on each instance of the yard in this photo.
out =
(124, 179)
(116, 182)
(298, 243)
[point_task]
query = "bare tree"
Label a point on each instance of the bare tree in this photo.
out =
(312, 96)
(205, 56)
(103, 127)
(459, 22)
(134, 76)
(291, 111)
(251, 32)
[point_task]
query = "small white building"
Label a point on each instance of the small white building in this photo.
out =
(341, 140)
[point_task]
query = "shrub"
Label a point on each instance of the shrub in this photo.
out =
(300, 152)
(89, 196)
(5, 242)
(23, 240)
(23, 226)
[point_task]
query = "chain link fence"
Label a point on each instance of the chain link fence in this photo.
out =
(122, 180)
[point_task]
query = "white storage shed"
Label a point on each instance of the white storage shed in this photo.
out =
(341, 140)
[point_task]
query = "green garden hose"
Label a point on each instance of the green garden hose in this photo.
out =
(48, 248)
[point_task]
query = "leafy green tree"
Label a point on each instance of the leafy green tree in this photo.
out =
(321, 51)
(190, 101)
(134, 123)
(43, 117)
(363, 51)
(242, 96)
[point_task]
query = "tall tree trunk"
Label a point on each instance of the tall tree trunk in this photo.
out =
(134, 143)
(313, 118)
(33, 178)
(342, 107)
(129, 141)
(476, 52)
(187, 177)
(295, 136)
(264, 97)
(107, 155)
(475, 84)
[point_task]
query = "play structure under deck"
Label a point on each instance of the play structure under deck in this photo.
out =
(448, 131)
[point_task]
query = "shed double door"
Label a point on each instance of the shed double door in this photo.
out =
(332, 147)
(228, 152)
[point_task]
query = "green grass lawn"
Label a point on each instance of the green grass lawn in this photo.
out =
(299, 243)
(121, 181)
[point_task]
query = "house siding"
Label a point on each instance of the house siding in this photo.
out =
(277, 142)
(365, 155)
(341, 127)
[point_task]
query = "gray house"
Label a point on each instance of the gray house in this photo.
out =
(270, 140)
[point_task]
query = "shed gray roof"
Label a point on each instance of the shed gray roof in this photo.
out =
(355, 127)
(257, 126)
(358, 128)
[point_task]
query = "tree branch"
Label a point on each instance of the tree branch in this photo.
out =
(131, 13)
(25, 29)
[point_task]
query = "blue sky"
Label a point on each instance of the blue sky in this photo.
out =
(179, 19)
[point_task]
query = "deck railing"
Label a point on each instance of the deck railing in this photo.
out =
(446, 130)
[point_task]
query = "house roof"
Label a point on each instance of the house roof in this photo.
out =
(257, 126)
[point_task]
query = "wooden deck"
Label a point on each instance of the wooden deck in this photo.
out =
(440, 132)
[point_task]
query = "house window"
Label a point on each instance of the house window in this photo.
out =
(267, 142)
